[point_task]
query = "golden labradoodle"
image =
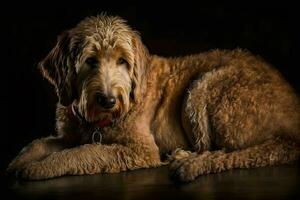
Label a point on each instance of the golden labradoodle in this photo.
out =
(121, 108)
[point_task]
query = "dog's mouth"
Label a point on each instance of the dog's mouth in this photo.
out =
(96, 108)
(102, 116)
(101, 119)
(104, 122)
(98, 115)
(104, 119)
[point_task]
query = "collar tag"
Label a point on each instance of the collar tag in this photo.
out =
(97, 136)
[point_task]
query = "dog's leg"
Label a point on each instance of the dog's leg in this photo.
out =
(226, 109)
(237, 107)
(195, 114)
(37, 150)
(196, 122)
(272, 152)
(91, 159)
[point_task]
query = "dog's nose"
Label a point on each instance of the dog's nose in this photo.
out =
(106, 102)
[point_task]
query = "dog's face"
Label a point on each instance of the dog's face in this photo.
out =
(98, 65)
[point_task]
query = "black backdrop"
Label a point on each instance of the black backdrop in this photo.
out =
(30, 31)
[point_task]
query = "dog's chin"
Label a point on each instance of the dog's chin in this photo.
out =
(102, 116)
(96, 113)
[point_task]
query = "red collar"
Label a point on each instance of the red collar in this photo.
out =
(74, 114)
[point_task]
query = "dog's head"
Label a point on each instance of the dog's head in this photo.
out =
(98, 65)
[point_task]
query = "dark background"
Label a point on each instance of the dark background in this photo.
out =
(174, 29)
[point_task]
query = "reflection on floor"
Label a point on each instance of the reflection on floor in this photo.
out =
(280, 182)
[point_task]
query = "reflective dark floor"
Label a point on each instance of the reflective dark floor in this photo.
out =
(280, 182)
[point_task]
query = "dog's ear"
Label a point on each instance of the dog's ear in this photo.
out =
(141, 58)
(58, 68)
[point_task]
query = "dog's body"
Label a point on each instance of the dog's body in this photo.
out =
(125, 109)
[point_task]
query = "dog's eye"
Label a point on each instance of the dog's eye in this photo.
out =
(93, 62)
(121, 61)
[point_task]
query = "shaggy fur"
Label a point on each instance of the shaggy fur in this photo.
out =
(209, 112)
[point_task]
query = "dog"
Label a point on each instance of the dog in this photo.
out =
(120, 108)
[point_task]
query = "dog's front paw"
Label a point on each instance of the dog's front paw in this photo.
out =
(32, 152)
(36, 171)
(19, 163)
(189, 168)
(14, 166)
(183, 170)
